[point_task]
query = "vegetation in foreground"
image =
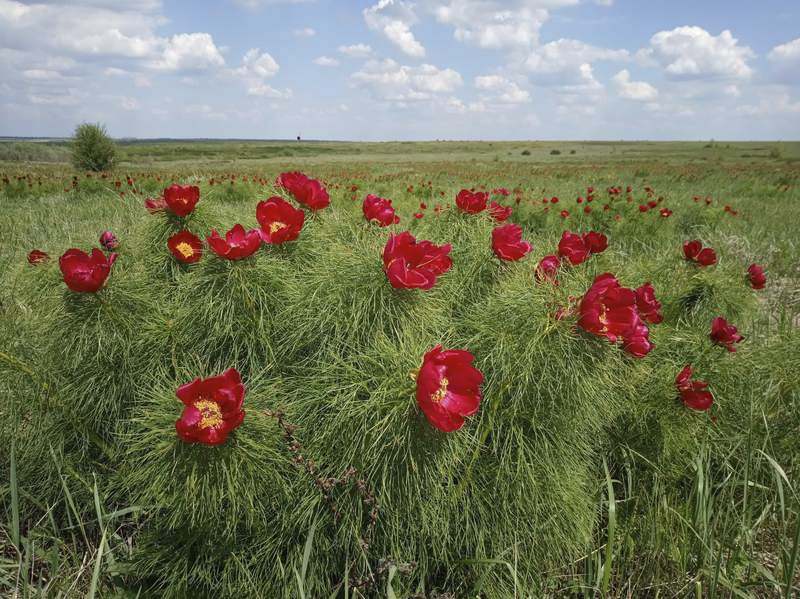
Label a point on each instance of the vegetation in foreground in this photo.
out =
(585, 469)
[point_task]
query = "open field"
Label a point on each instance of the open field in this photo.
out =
(581, 473)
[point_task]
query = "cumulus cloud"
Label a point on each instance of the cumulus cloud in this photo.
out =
(326, 61)
(356, 50)
(501, 90)
(633, 90)
(394, 19)
(304, 32)
(189, 52)
(389, 80)
(785, 60)
(693, 53)
(256, 67)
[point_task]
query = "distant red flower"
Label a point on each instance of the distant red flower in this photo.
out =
(154, 205)
(212, 408)
(499, 213)
(507, 243)
(186, 247)
(693, 393)
(237, 243)
(547, 268)
(647, 304)
(305, 190)
(471, 202)
(755, 274)
(609, 310)
(448, 387)
(109, 241)
(410, 264)
(85, 273)
(573, 248)
(279, 220)
(380, 211)
(37, 257)
(665, 212)
(564, 214)
(725, 334)
(181, 199)
(418, 215)
(695, 252)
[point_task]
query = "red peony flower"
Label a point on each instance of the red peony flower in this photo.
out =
(154, 205)
(693, 393)
(109, 241)
(755, 274)
(695, 252)
(647, 304)
(573, 248)
(609, 310)
(279, 220)
(410, 264)
(213, 408)
(237, 244)
(305, 190)
(186, 247)
(596, 242)
(181, 199)
(37, 257)
(724, 333)
(507, 243)
(548, 269)
(448, 387)
(471, 202)
(564, 213)
(380, 211)
(85, 273)
(499, 213)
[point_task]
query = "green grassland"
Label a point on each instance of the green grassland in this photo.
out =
(582, 475)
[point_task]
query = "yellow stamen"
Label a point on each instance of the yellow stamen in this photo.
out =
(185, 249)
(441, 391)
(210, 412)
(276, 226)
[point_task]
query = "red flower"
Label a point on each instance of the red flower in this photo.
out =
(213, 408)
(154, 205)
(647, 304)
(755, 274)
(414, 265)
(37, 257)
(237, 244)
(507, 243)
(596, 242)
(418, 215)
(471, 202)
(448, 387)
(695, 252)
(279, 220)
(305, 190)
(498, 212)
(109, 241)
(573, 248)
(609, 310)
(181, 199)
(665, 212)
(85, 273)
(380, 211)
(724, 333)
(548, 268)
(564, 213)
(693, 393)
(186, 247)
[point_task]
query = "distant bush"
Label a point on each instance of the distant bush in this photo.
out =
(775, 152)
(92, 148)
(555, 152)
(526, 152)
(572, 151)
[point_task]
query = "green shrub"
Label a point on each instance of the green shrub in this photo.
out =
(92, 148)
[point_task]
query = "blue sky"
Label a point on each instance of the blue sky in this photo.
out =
(403, 69)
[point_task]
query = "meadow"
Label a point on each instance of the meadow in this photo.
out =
(588, 466)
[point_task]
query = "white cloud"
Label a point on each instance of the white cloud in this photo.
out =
(255, 4)
(501, 90)
(304, 32)
(326, 61)
(389, 80)
(356, 50)
(634, 90)
(774, 104)
(267, 91)
(567, 55)
(693, 53)
(785, 60)
(394, 19)
(257, 65)
(189, 52)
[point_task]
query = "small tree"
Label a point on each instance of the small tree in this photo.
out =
(92, 148)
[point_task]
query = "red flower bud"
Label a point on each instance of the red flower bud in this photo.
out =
(85, 273)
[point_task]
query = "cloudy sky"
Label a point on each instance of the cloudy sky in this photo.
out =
(403, 69)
